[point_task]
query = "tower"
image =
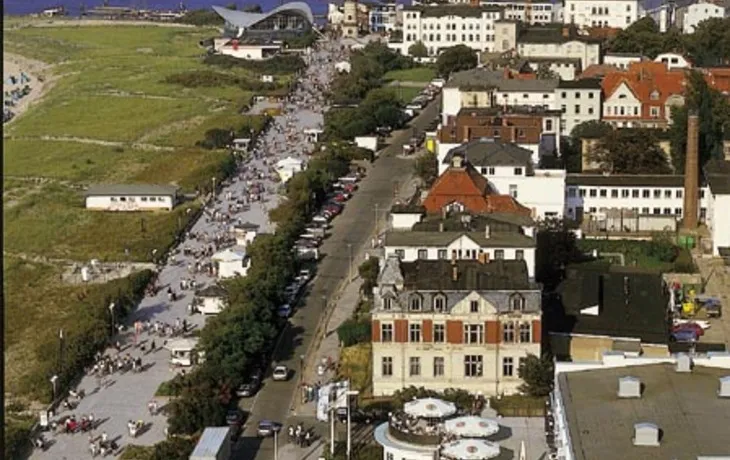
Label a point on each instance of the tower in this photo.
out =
(349, 24)
(691, 173)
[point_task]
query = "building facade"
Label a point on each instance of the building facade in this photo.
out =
(617, 14)
(690, 16)
(459, 324)
(444, 26)
(579, 101)
(131, 197)
(383, 17)
(717, 173)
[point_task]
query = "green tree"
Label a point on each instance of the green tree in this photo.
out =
(253, 8)
(418, 50)
(426, 168)
(642, 37)
(713, 110)
(709, 45)
(556, 249)
(455, 59)
(205, 17)
(545, 73)
(174, 448)
(369, 271)
(538, 375)
(630, 151)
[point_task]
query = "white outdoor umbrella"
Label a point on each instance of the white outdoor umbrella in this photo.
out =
(470, 449)
(471, 426)
(429, 408)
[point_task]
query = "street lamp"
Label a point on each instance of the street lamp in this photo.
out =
(111, 311)
(54, 379)
(60, 350)
(349, 270)
(276, 445)
(349, 420)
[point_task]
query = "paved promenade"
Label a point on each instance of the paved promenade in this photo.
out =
(124, 396)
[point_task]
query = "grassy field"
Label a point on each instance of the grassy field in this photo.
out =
(109, 92)
(422, 74)
(407, 93)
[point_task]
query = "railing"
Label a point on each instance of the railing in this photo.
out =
(414, 438)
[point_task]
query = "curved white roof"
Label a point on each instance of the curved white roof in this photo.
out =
(244, 19)
(429, 407)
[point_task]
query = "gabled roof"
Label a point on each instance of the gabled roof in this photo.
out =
(245, 19)
(645, 79)
(472, 275)
(489, 152)
(469, 188)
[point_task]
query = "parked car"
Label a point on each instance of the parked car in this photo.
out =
(281, 373)
(320, 218)
(284, 311)
(249, 388)
(341, 197)
(349, 188)
(268, 428)
(684, 336)
(690, 326)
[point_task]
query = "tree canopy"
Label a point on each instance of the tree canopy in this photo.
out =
(630, 151)
(456, 59)
(426, 168)
(538, 375)
(418, 50)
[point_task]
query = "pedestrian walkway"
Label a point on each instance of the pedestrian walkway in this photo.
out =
(247, 197)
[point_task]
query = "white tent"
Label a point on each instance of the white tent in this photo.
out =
(429, 408)
(182, 351)
(231, 262)
(287, 167)
(470, 449)
(471, 426)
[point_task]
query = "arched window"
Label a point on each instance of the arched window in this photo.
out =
(415, 302)
(439, 303)
(516, 302)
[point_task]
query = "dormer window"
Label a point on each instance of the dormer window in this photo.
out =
(654, 95)
(439, 303)
(387, 303)
(415, 303)
(516, 302)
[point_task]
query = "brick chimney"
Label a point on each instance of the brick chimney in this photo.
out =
(691, 173)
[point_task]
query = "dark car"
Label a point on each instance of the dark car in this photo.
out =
(267, 428)
(684, 336)
(249, 388)
(691, 327)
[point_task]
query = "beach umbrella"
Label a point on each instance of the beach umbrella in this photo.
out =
(470, 449)
(429, 408)
(471, 426)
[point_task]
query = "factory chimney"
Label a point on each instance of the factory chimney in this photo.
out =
(691, 172)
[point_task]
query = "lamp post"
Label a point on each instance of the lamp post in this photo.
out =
(54, 379)
(349, 421)
(349, 267)
(60, 350)
(111, 312)
(276, 444)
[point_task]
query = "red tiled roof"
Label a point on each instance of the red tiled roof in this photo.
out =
(643, 79)
(719, 78)
(468, 187)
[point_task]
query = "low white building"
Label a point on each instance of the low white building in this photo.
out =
(673, 61)
(594, 194)
(211, 300)
(445, 26)
(245, 233)
(717, 173)
(689, 17)
(617, 14)
(231, 262)
(510, 171)
(254, 51)
(131, 197)
(622, 60)
(530, 12)
(287, 167)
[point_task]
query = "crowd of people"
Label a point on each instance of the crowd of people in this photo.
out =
(245, 197)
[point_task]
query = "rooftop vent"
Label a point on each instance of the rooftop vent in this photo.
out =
(629, 387)
(684, 363)
(724, 391)
(646, 434)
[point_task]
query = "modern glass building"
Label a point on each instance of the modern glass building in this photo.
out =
(287, 20)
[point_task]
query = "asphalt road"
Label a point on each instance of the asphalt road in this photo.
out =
(355, 226)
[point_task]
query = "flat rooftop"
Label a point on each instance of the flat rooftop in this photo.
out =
(693, 420)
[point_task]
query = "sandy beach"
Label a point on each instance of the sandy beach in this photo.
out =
(40, 80)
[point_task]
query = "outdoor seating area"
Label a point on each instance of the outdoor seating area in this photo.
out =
(431, 422)
(20, 88)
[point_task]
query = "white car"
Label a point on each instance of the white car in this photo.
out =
(281, 373)
(284, 311)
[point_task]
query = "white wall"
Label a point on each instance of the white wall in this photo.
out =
(255, 53)
(720, 222)
(528, 98)
(542, 12)
(400, 221)
(578, 105)
(438, 33)
(674, 61)
(620, 61)
(462, 245)
(232, 269)
(699, 12)
(588, 53)
(544, 193)
(592, 13)
(129, 203)
(211, 305)
(622, 104)
(673, 202)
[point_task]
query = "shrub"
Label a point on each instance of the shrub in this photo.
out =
(281, 64)
(461, 398)
(17, 437)
(204, 17)
(684, 263)
(352, 332)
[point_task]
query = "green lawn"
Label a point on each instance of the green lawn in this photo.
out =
(406, 94)
(421, 74)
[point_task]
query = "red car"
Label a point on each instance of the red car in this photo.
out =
(694, 327)
(349, 188)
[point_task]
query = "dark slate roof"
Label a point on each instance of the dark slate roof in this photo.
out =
(131, 190)
(439, 11)
(469, 223)
(488, 152)
(431, 239)
(642, 313)
(717, 173)
(213, 290)
(407, 209)
(472, 275)
(586, 83)
(551, 33)
(625, 180)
